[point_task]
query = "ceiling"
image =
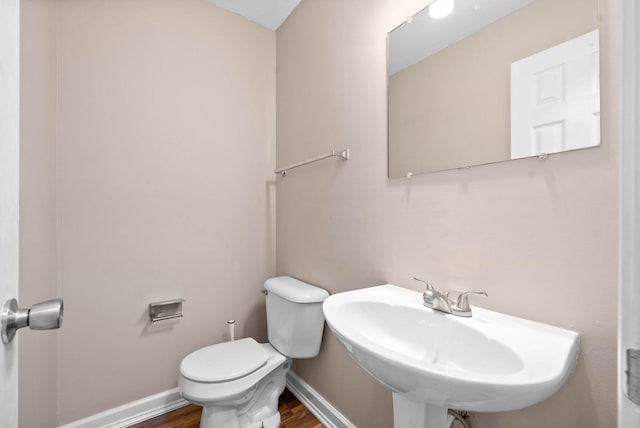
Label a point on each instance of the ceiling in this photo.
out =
(268, 13)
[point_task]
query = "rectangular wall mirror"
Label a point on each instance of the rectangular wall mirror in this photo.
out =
(480, 81)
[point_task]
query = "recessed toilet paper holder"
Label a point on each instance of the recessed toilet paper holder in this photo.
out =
(165, 310)
(41, 316)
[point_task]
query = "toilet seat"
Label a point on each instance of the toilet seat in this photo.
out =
(224, 361)
(203, 392)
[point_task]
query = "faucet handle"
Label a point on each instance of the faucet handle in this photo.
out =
(463, 299)
(427, 296)
(427, 283)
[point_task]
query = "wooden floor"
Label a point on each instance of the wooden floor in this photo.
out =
(292, 413)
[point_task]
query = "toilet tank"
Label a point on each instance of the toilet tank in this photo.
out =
(294, 316)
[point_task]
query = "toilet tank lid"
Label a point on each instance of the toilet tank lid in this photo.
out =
(294, 290)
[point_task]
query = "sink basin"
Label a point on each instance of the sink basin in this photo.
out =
(433, 361)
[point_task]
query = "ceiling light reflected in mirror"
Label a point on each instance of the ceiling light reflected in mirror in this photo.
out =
(441, 8)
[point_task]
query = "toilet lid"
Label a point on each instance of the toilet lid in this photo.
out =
(224, 361)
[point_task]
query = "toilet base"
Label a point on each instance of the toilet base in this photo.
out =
(256, 407)
(217, 420)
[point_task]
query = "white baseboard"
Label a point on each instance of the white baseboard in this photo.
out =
(164, 402)
(316, 403)
(134, 412)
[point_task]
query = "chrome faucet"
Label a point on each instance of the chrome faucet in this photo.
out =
(439, 301)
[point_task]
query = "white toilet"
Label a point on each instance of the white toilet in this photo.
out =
(238, 383)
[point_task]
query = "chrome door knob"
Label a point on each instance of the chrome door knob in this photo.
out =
(41, 316)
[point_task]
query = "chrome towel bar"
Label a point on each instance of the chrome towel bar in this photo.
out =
(341, 153)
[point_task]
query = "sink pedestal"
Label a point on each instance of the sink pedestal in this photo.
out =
(411, 414)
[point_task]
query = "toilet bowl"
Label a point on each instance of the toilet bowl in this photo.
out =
(238, 383)
(246, 395)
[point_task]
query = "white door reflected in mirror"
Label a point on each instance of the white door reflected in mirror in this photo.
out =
(555, 99)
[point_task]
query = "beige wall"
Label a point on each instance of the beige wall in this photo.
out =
(38, 349)
(540, 237)
(452, 109)
(166, 113)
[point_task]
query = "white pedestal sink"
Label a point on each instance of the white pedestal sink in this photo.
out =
(433, 361)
